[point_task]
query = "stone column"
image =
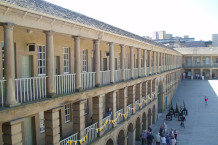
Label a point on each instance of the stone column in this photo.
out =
(123, 62)
(97, 62)
(144, 90)
(77, 63)
(192, 73)
(139, 61)
(111, 59)
(211, 73)
(79, 118)
(158, 62)
(98, 112)
(155, 63)
(164, 61)
(112, 104)
(150, 61)
(211, 61)
(145, 64)
(132, 62)
(50, 64)
(131, 95)
(201, 61)
(122, 99)
(139, 92)
(52, 126)
(161, 62)
(192, 62)
(9, 66)
(201, 72)
(12, 132)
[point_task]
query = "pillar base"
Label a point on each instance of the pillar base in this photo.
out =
(78, 90)
(12, 105)
(51, 95)
(97, 85)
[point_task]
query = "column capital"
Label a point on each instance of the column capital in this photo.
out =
(96, 41)
(8, 25)
(131, 47)
(122, 46)
(76, 37)
(49, 33)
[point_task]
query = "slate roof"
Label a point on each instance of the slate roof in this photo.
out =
(195, 44)
(57, 11)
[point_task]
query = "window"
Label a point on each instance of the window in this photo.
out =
(67, 113)
(127, 61)
(118, 62)
(41, 60)
(42, 122)
(198, 60)
(66, 60)
(207, 60)
(84, 60)
(216, 60)
(3, 57)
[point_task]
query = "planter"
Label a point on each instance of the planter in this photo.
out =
(171, 111)
(185, 112)
(176, 114)
(169, 117)
(180, 117)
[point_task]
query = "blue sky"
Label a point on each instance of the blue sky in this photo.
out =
(196, 18)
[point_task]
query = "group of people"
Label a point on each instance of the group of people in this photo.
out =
(162, 138)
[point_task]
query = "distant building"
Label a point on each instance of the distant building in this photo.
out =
(215, 40)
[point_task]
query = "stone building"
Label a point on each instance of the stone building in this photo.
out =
(200, 61)
(67, 77)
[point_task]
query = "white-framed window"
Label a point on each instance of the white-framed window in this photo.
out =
(118, 62)
(66, 59)
(3, 57)
(198, 60)
(42, 122)
(207, 60)
(67, 113)
(41, 60)
(84, 60)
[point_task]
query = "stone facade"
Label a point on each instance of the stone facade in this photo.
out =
(60, 79)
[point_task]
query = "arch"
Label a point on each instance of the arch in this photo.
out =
(110, 142)
(149, 117)
(138, 129)
(160, 97)
(153, 114)
(144, 119)
(131, 135)
(121, 138)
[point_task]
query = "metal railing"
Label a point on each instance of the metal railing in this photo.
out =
(137, 105)
(65, 84)
(143, 103)
(147, 71)
(30, 89)
(2, 93)
(136, 74)
(70, 138)
(129, 112)
(105, 77)
(117, 75)
(160, 68)
(127, 74)
(88, 80)
(108, 126)
(120, 118)
(152, 70)
(91, 132)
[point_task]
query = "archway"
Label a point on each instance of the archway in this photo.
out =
(149, 117)
(121, 138)
(144, 121)
(153, 114)
(160, 97)
(138, 126)
(110, 142)
(131, 135)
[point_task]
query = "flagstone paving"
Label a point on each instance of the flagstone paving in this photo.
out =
(201, 126)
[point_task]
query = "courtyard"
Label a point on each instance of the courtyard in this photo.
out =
(201, 123)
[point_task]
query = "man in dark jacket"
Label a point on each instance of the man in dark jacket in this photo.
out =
(150, 138)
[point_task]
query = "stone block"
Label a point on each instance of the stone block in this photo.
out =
(52, 139)
(52, 123)
(12, 139)
(52, 131)
(51, 116)
(8, 129)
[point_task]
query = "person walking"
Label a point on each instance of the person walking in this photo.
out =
(168, 139)
(173, 141)
(150, 138)
(165, 127)
(163, 140)
(175, 134)
(158, 139)
(143, 136)
(206, 99)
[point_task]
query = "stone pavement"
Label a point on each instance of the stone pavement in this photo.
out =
(201, 126)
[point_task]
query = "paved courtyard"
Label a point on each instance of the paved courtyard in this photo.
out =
(202, 120)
